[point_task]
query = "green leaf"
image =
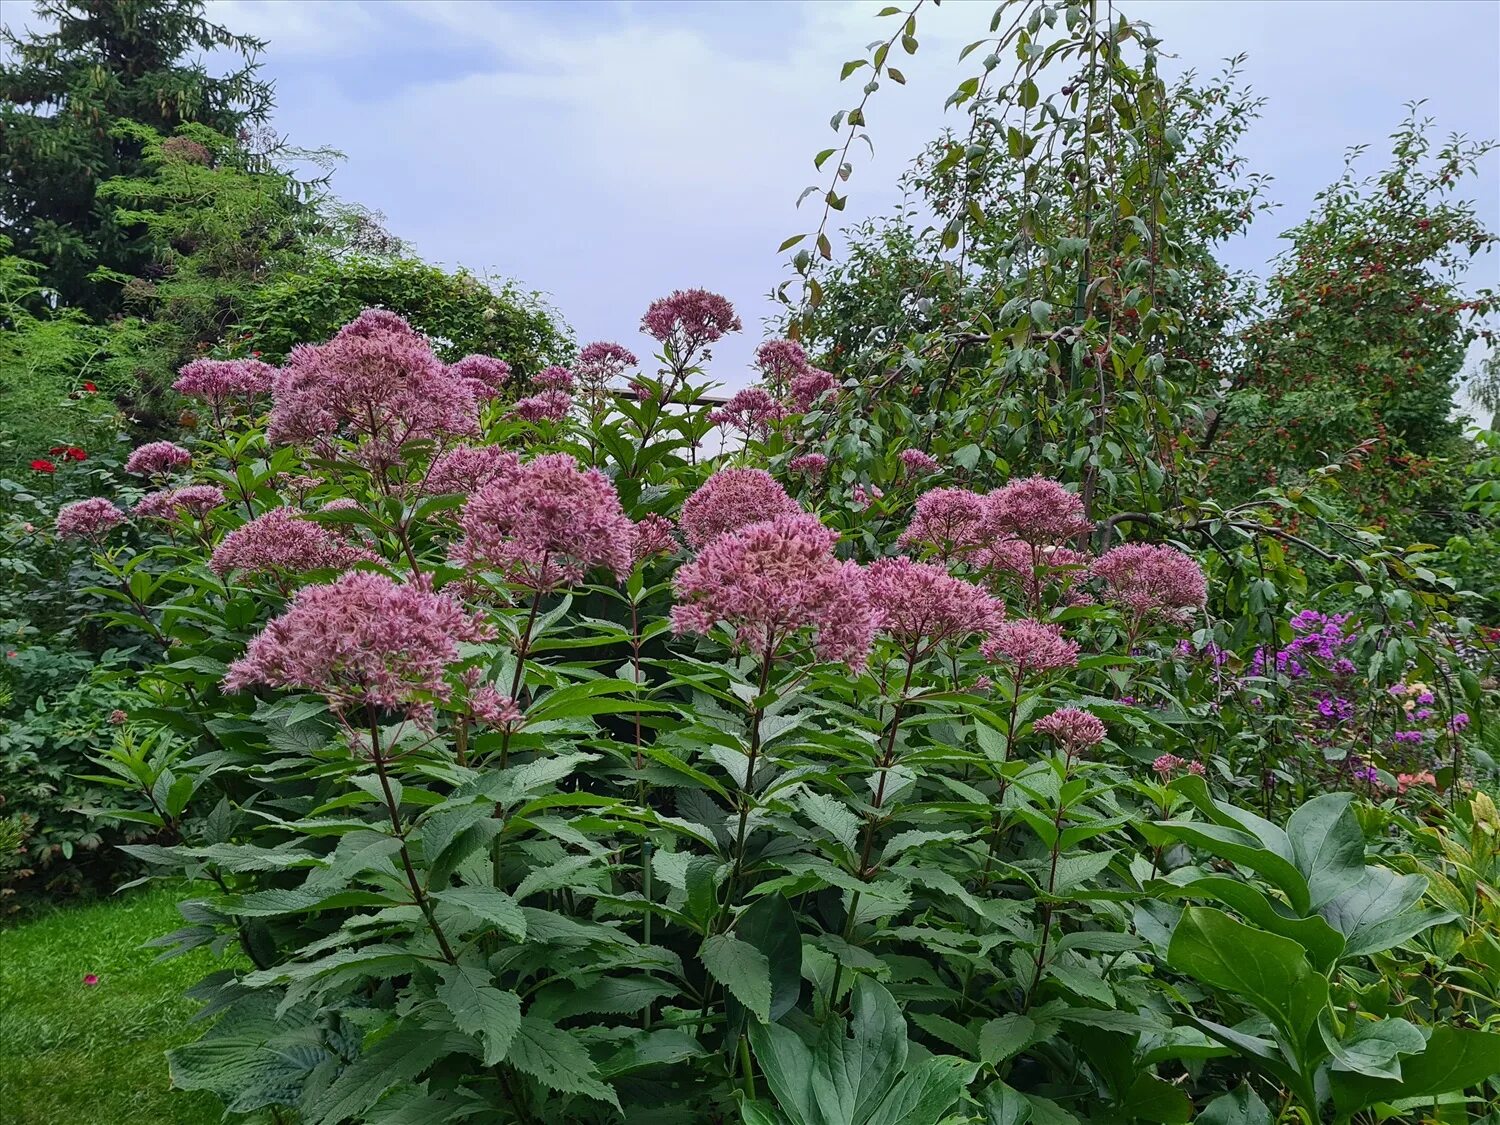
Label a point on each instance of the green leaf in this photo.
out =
(1321, 941)
(399, 1057)
(478, 1008)
(557, 1060)
(1001, 1038)
(1244, 849)
(925, 1094)
(771, 927)
(1004, 1106)
(1269, 971)
(743, 971)
(1329, 846)
(1153, 1099)
(1455, 1060)
(851, 1076)
(1376, 913)
(1375, 1047)
(787, 1065)
(488, 905)
(1241, 1106)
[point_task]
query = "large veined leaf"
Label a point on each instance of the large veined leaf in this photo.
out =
(1329, 846)
(1377, 912)
(743, 971)
(1321, 941)
(557, 1060)
(1455, 1061)
(488, 905)
(787, 1064)
(1241, 1106)
(1269, 971)
(1241, 848)
(771, 927)
(1374, 1047)
(853, 1072)
(479, 1008)
(925, 1094)
(402, 1055)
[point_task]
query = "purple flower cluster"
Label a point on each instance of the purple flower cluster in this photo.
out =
(88, 519)
(283, 543)
(919, 602)
(157, 459)
(730, 499)
(690, 319)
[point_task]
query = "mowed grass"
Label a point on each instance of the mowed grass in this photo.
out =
(71, 1054)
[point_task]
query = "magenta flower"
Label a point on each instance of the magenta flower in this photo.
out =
(599, 365)
(809, 464)
(492, 709)
(363, 640)
(117, 717)
(733, 498)
(546, 524)
(809, 386)
(1031, 646)
(690, 319)
(918, 463)
(919, 602)
(484, 375)
(780, 361)
(767, 581)
(376, 382)
(463, 470)
(750, 411)
(1151, 580)
(93, 518)
(1035, 510)
(654, 535)
(946, 518)
(157, 458)
(198, 499)
(90, 979)
(555, 378)
(282, 543)
(219, 382)
(1035, 569)
(1073, 729)
(551, 405)
(1166, 765)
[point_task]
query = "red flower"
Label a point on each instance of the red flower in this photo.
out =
(91, 979)
(91, 388)
(75, 453)
(42, 465)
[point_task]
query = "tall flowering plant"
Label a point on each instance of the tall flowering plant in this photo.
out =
(543, 773)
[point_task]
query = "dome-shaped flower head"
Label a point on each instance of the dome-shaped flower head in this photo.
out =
(780, 361)
(599, 364)
(653, 536)
(377, 382)
(918, 463)
(1151, 580)
(1035, 510)
(219, 382)
(485, 375)
(919, 602)
(751, 411)
(946, 518)
(555, 378)
(88, 519)
(492, 709)
(769, 580)
(157, 459)
(551, 405)
(362, 640)
(809, 464)
(1034, 569)
(1072, 729)
(1032, 647)
(546, 524)
(463, 470)
(690, 319)
(807, 387)
(282, 543)
(732, 498)
(198, 499)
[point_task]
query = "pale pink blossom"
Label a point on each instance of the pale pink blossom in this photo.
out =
(947, 519)
(768, 581)
(463, 470)
(733, 498)
(654, 535)
(555, 378)
(920, 602)
(918, 463)
(780, 361)
(492, 709)
(546, 524)
(1151, 580)
(362, 640)
(1035, 510)
(219, 382)
(1030, 646)
(281, 542)
(157, 458)
(1073, 729)
(484, 375)
(551, 405)
(809, 464)
(690, 319)
(751, 411)
(93, 518)
(807, 387)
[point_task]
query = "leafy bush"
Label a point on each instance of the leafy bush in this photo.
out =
(551, 793)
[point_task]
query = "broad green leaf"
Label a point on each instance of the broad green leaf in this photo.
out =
(478, 1008)
(557, 1060)
(743, 971)
(1374, 1047)
(771, 927)
(1269, 971)
(1329, 846)
(1153, 1099)
(787, 1065)
(399, 1057)
(853, 1072)
(1455, 1060)
(1321, 941)
(1241, 1106)
(925, 1094)
(1004, 1106)
(488, 905)
(1001, 1038)
(1376, 913)
(1240, 847)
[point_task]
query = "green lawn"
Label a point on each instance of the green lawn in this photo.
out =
(71, 1054)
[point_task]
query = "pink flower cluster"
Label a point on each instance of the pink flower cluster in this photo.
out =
(378, 382)
(780, 361)
(555, 378)
(1071, 728)
(545, 524)
(1036, 511)
(654, 535)
(1031, 647)
(730, 499)
(946, 518)
(173, 503)
(751, 411)
(484, 375)
(690, 319)
(809, 464)
(492, 709)
(157, 458)
(463, 469)
(919, 463)
(362, 640)
(919, 602)
(600, 364)
(550, 405)
(219, 382)
(809, 386)
(767, 581)
(282, 543)
(1151, 580)
(88, 519)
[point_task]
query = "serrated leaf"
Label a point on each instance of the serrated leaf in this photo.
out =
(557, 1060)
(743, 971)
(478, 1008)
(488, 905)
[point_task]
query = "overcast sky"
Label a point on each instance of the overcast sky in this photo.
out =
(608, 152)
